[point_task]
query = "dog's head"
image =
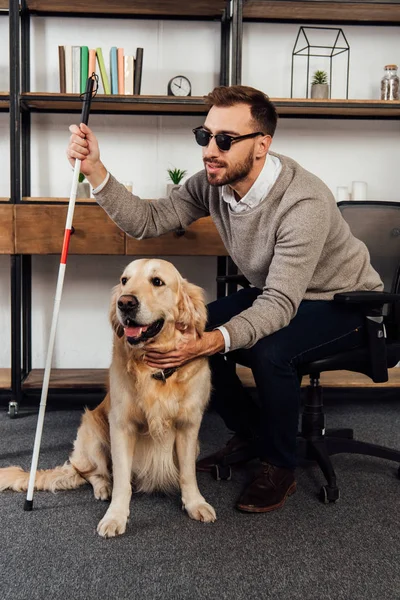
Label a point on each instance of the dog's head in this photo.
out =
(152, 297)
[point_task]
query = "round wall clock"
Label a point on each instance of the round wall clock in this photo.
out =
(179, 86)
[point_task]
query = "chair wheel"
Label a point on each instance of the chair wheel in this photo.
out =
(221, 472)
(329, 494)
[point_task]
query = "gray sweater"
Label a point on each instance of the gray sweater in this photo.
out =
(294, 245)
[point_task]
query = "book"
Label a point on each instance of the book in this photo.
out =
(92, 62)
(128, 75)
(76, 69)
(68, 69)
(103, 71)
(137, 82)
(61, 64)
(114, 70)
(121, 76)
(84, 67)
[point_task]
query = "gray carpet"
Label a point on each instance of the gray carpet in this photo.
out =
(305, 551)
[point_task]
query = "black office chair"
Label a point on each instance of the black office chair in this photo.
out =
(377, 224)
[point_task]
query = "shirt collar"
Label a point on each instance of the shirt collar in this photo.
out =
(258, 190)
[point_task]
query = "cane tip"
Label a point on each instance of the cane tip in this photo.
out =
(28, 505)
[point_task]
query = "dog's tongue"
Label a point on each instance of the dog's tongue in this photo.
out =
(135, 331)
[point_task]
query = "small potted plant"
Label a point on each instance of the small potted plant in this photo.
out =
(320, 85)
(176, 176)
(83, 189)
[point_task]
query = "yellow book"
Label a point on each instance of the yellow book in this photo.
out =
(103, 72)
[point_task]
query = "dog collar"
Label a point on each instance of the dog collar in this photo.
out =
(164, 374)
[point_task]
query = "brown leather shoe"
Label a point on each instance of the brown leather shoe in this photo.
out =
(235, 444)
(268, 490)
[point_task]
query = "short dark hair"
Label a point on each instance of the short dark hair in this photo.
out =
(262, 110)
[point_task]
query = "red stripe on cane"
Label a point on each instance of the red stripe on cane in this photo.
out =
(64, 252)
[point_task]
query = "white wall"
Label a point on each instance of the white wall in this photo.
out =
(140, 149)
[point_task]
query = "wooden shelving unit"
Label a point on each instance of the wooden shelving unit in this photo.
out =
(4, 5)
(164, 8)
(311, 11)
(84, 379)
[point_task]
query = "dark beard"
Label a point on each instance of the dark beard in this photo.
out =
(235, 174)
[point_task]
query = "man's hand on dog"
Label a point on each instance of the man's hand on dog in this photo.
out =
(190, 346)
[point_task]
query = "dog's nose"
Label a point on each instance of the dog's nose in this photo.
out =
(127, 302)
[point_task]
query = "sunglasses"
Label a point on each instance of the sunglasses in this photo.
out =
(223, 140)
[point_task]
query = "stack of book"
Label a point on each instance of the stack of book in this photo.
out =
(77, 63)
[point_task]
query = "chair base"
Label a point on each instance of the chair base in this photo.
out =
(314, 443)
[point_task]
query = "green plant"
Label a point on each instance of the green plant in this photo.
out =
(176, 175)
(81, 177)
(320, 77)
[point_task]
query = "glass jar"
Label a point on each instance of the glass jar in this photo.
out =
(390, 83)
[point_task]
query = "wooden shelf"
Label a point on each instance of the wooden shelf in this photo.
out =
(168, 105)
(335, 379)
(7, 229)
(307, 107)
(4, 6)
(384, 12)
(4, 101)
(138, 8)
(5, 379)
(114, 104)
(85, 379)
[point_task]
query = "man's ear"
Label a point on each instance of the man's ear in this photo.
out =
(264, 144)
(192, 310)
(115, 324)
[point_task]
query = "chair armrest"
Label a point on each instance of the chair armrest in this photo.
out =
(370, 298)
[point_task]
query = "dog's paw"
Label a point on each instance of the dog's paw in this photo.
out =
(102, 491)
(201, 511)
(112, 525)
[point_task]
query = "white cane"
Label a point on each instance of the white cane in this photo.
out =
(60, 282)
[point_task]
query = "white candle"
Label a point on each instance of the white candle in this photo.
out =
(359, 190)
(342, 193)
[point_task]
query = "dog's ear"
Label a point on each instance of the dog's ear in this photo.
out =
(192, 311)
(115, 324)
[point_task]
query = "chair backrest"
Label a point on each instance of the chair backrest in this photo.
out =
(377, 224)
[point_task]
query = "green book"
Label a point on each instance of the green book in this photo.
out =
(84, 67)
(103, 72)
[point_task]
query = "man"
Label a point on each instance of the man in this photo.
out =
(281, 226)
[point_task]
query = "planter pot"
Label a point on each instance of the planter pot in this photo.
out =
(320, 90)
(83, 190)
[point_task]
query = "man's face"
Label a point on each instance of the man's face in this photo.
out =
(232, 166)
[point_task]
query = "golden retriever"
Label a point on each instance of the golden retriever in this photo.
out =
(145, 431)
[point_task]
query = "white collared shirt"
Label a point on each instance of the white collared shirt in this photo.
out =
(258, 191)
(256, 194)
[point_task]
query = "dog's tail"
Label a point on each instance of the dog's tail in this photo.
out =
(65, 477)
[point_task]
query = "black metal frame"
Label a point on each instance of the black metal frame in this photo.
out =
(335, 51)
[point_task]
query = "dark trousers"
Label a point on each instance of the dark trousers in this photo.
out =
(319, 329)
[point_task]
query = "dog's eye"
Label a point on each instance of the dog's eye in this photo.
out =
(124, 280)
(157, 282)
